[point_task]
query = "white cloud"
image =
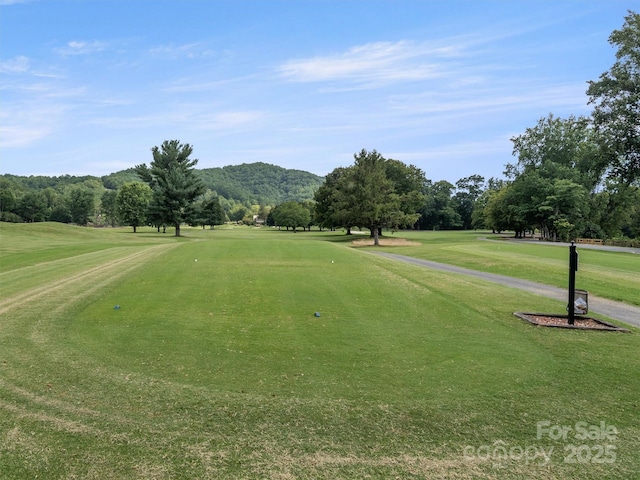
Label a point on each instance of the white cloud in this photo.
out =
(22, 125)
(507, 97)
(18, 64)
(195, 119)
(188, 50)
(81, 48)
(380, 61)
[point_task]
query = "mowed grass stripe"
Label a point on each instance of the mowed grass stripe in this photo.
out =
(111, 265)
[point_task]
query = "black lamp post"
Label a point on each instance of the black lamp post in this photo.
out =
(573, 268)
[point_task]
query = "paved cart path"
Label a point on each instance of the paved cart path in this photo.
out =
(620, 311)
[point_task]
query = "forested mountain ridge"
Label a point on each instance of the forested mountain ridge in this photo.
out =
(261, 183)
(254, 183)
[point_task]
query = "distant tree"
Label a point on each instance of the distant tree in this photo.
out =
(631, 227)
(156, 213)
(616, 100)
(310, 205)
(333, 205)
(238, 212)
(373, 193)
(495, 212)
(439, 210)
(32, 207)
(291, 215)
(115, 180)
(612, 211)
(213, 212)
(175, 184)
(264, 212)
(132, 202)
(60, 213)
(479, 217)
(8, 198)
(409, 183)
(81, 204)
(559, 164)
(108, 206)
(468, 190)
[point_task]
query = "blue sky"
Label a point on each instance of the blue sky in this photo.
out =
(88, 87)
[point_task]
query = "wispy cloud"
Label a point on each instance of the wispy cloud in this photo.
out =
(25, 124)
(508, 96)
(77, 47)
(378, 62)
(196, 119)
(18, 64)
(187, 50)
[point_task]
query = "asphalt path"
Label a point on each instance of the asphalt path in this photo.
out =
(623, 312)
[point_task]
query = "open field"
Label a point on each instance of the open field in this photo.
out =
(215, 366)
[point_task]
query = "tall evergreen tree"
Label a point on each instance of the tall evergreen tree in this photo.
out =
(173, 180)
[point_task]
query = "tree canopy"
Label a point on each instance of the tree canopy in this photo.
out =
(132, 201)
(291, 214)
(616, 99)
(373, 193)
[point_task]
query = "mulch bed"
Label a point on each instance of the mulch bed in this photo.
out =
(562, 321)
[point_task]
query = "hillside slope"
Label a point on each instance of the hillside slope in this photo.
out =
(250, 184)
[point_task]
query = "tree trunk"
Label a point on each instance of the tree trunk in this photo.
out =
(376, 239)
(134, 229)
(177, 229)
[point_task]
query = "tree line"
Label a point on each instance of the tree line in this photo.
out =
(242, 192)
(573, 177)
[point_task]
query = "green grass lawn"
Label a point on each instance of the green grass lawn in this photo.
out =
(216, 366)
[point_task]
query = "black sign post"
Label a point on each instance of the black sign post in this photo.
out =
(573, 268)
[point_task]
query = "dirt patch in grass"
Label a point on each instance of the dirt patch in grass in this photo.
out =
(562, 321)
(384, 242)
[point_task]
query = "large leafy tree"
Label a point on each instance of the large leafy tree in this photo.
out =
(480, 216)
(439, 210)
(108, 206)
(132, 202)
(81, 202)
(559, 167)
(174, 182)
(373, 193)
(291, 214)
(374, 200)
(332, 208)
(616, 100)
(8, 198)
(207, 212)
(32, 206)
(468, 191)
(212, 211)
